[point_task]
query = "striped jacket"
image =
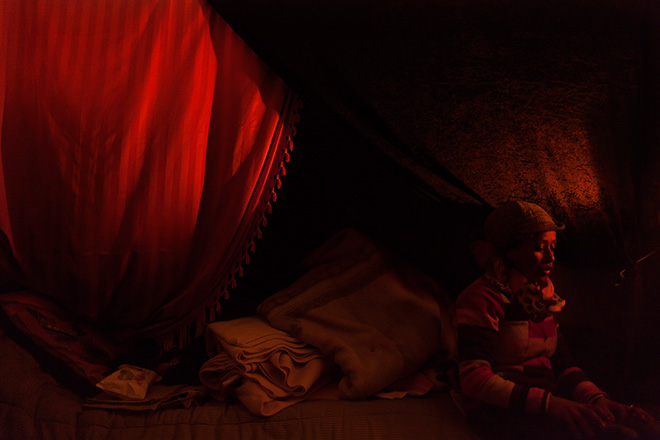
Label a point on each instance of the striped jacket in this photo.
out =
(509, 361)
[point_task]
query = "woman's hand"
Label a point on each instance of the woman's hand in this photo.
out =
(625, 414)
(583, 420)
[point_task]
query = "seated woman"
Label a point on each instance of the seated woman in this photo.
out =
(517, 378)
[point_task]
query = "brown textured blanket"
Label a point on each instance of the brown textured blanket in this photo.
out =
(377, 317)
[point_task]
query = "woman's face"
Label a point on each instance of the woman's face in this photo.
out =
(535, 256)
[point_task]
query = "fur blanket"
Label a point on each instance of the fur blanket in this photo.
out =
(376, 317)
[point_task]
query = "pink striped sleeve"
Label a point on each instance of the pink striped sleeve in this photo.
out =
(479, 305)
(478, 382)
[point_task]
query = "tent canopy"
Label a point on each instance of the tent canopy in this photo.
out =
(552, 102)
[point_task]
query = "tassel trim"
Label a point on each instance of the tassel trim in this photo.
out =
(211, 310)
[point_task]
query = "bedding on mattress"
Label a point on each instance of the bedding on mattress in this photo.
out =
(33, 405)
(359, 323)
(370, 322)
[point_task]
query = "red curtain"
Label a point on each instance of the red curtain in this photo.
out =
(141, 143)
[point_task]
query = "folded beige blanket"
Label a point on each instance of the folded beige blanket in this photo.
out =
(376, 317)
(266, 368)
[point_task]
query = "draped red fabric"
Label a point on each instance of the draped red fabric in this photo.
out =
(140, 145)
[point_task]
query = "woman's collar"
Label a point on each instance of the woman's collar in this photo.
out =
(517, 280)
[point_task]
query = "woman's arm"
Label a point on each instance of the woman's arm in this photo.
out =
(479, 311)
(575, 385)
(479, 382)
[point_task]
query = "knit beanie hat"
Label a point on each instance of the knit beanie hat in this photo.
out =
(514, 218)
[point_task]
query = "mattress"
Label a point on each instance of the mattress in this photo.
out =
(34, 405)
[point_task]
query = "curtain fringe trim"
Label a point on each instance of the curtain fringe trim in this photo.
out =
(182, 337)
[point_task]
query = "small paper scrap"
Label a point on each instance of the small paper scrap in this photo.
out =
(129, 382)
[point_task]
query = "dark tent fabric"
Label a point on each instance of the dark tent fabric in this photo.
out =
(553, 102)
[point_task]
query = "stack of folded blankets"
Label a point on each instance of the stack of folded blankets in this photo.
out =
(266, 368)
(357, 323)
